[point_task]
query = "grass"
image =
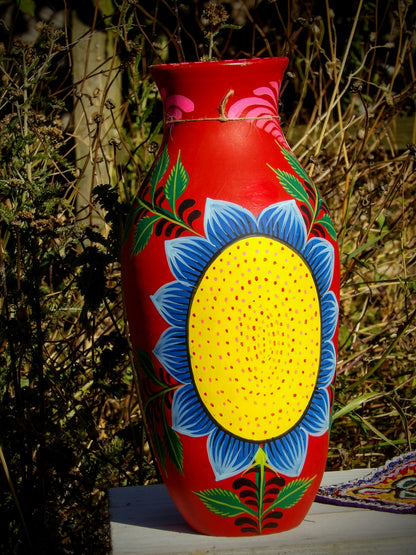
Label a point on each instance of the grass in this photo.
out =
(68, 397)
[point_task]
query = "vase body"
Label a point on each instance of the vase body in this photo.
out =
(230, 274)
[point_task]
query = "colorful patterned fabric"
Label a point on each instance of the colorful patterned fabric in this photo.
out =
(391, 487)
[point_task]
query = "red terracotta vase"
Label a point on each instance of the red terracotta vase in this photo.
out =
(231, 280)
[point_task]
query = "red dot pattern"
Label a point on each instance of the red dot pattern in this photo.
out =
(254, 336)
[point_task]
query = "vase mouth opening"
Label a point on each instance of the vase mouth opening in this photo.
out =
(281, 61)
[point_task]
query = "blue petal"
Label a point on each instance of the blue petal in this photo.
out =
(287, 454)
(172, 354)
(329, 308)
(316, 419)
(284, 221)
(225, 221)
(328, 363)
(172, 301)
(187, 257)
(320, 256)
(188, 415)
(228, 455)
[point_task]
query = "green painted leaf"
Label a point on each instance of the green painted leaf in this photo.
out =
(160, 450)
(176, 183)
(159, 171)
(143, 232)
(318, 201)
(293, 186)
(129, 222)
(291, 494)
(326, 222)
(146, 365)
(223, 502)
(295, 165)
(174, 447)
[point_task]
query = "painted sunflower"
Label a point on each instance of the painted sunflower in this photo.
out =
(252, 320)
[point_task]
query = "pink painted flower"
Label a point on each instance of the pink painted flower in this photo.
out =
(262, 106)
(176, 105)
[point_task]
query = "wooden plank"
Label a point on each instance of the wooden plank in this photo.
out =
(145, 520)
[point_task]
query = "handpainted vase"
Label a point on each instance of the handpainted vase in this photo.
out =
(231, 279)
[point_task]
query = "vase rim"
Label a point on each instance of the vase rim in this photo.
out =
(239, 62)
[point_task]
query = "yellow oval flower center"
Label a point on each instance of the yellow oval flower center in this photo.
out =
(254, 338)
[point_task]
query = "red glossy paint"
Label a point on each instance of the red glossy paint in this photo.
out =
(224, 162)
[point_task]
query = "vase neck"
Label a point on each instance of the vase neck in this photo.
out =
(230, 90)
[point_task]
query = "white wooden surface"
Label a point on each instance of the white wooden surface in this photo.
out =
(145, 521)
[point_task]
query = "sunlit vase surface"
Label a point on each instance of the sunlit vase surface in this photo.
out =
(230, 272)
